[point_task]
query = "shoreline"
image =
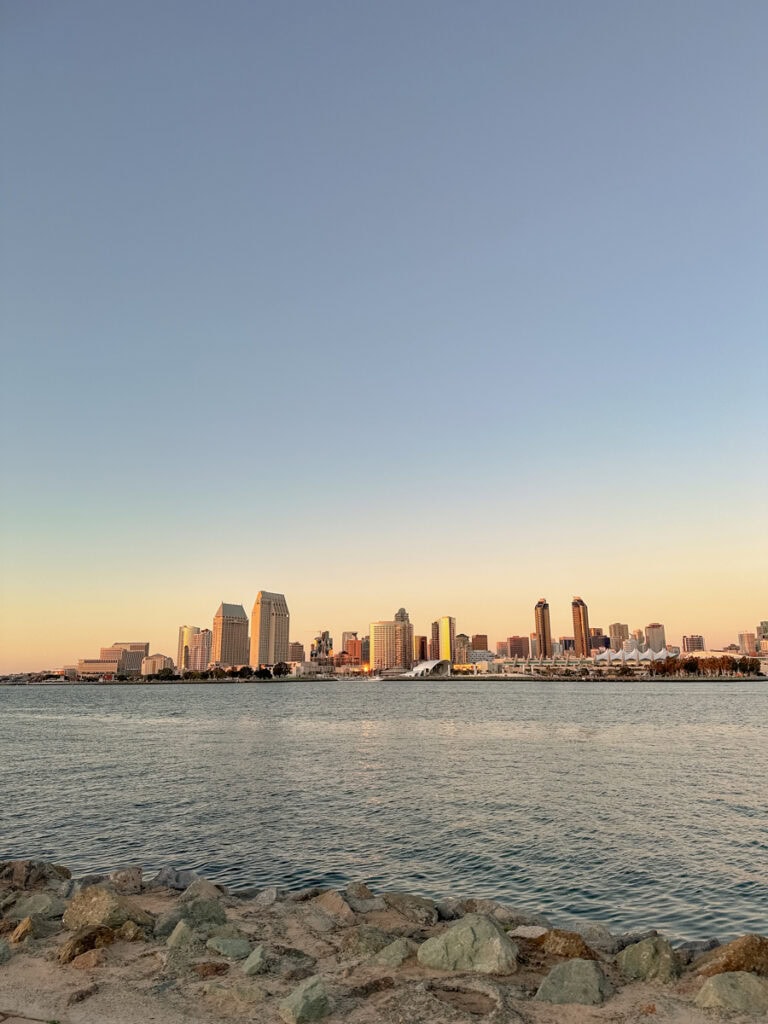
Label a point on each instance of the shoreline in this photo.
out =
(123, 948)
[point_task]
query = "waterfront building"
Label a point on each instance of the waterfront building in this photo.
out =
(93, 668)
(639, 637)
(479, 641)
(229, 644)
(391, 643)
(183, 658)
(618, 633)
(693, 643)
(502, 649)
(321, 650)
(346, 636)
(761, 631)
(598, 641)
(580, 627)
(655, 638)
(127, 656)
(630, 645)
(463, 645)
(153, 664)
(200, 650)
(443, 639)
(365, 655)
(748, 643)
(518, 646)
(567, 644)
(270, 628)
(420, 648)
(353, 649)
(296, 651)
(543, 629)
(534, 644)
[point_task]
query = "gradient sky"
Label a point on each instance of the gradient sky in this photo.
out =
(436, 304)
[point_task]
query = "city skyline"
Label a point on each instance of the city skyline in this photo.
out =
(339, 329)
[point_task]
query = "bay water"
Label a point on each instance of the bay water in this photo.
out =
(639, 804)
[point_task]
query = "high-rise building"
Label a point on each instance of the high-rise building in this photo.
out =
(185, 643)
(463, 645)
(761, 631)
(567, 644)
(693, 643)
(618, 633)
(270, 626)
(534, 641)
(365, 651)
(154, 663)
(296, 651)
(443, 639)
(391, 643)
(353, 649)
(200, 650)
(480, 642)
(229, 644)
(127, 656)
(403, 638)
(346, 636)
(748, 643)
(420, 648)
(580, 627)
(519, 646)
(638, 635)
(322, 648)
(543, 629)
(655, 637)
(502, 648)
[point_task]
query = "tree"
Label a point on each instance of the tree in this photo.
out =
(263, 673)
(281, 669)
(165, 673)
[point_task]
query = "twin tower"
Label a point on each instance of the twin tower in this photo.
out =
(270, 626)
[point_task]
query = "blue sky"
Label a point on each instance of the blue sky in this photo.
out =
(435, 304)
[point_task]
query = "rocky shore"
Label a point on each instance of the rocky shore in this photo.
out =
(122, 949)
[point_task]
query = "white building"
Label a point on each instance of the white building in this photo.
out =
(155, 663)
(270, 627)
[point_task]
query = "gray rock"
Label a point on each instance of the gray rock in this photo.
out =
(267, 897)
(5, 952)
(365, 940)
(688, 951)
(38, 904)
(475, 943)
(201, 913)
(232, 949)
(396, 953)
(448, 909)
(734, 990)
(358, 891)
(171, 878)
(165, 923)
(575, 981)
(527, 931)
(632, 938)
(306, 1003)
(87, 881)
(184, 937)
(201, 888)
(414, 908)
(509, 917)
(598, 936)
(99, 906)
(366, 906)
(127, 880)
(33, 874)
(650, 960)
(302, 895)
(257, 962)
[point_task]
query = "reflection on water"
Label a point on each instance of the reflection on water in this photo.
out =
(639, 804)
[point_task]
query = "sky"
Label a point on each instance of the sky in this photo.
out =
(429, 304)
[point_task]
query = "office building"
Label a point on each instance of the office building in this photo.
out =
(534, 642)
(462, 646)
(420, 648)
(580, 627)
(321, 650)
(200, 645)
(443, 642)
(543, 632)
(391, 643)
(183, 657)
(519, 646)
(353, 650)
(229, 644)
(618, 632)
(693, 643)
(153, 664)
(296, 651)
(479, 641)
(270, 626)
(502, 648)
(748, 644)
(654, 637)
(567, 644)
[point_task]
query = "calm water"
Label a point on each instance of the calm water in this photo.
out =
(639, 804)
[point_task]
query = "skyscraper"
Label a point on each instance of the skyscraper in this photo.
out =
(618, 633)
(420, 648)
(462, 648)
(443, 645)
(580, 627)
(543, 629)
(270, 624)
(200, 650)
(296, 651)
(229, 646)
(519, 646)
(391, 643)
(480, 642)
(654, 636)
(183, 663)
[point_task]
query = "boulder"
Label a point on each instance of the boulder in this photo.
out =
(632, 938)
(475, 943)
(396, 953)
(127, 880)
(171, 878)
(448, 909)
(232, 949)
(413, 908)
(306, 1003)
(201, 888)
(39, 904)
(364, 940)
(98, 906)
(333, 903)
(33, 927)
(89, 960)
(509, 917)
(269, 896)
(358, 891)
(257, 962)
(33, 874)
(598, 936)
(5, 952)
(202, 913)
(528, 931)
(184, 937)
(650, 960)
(734, 990)
(89, 937)
(562, 943)
(130, 932)
(575, 981)
(688, 951)
(748, 953)
(165, 923)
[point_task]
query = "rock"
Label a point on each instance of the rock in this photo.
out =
(170, 878)
(366, 906)
(527, 931)
(650, 960)
(82, 993)
(201, 888)
(234, 1000)
(569, 944)
(232, 949)
(201, 913)
(87, 961)
(267, 897)
(98, 906)
(5, 952)
(32, 928)
(396, 953)
(89, 937)
(632, 938)
(127, 880)
(734, 990)
(95, 879)
(333, 903)
(295, 964)
(39, 904)
(358, 891)
(130, 932)
(302, 895)
(509, 917)
(688, 951)
(364, 940)
(414, 908)
(184, 937)
(33, 874)
(165, 923)
(575, 981)
(475, 943)
(306, 1003)
(210, 968)
(748, 953)
(448, 909)
(598, 937)
(257, 962)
